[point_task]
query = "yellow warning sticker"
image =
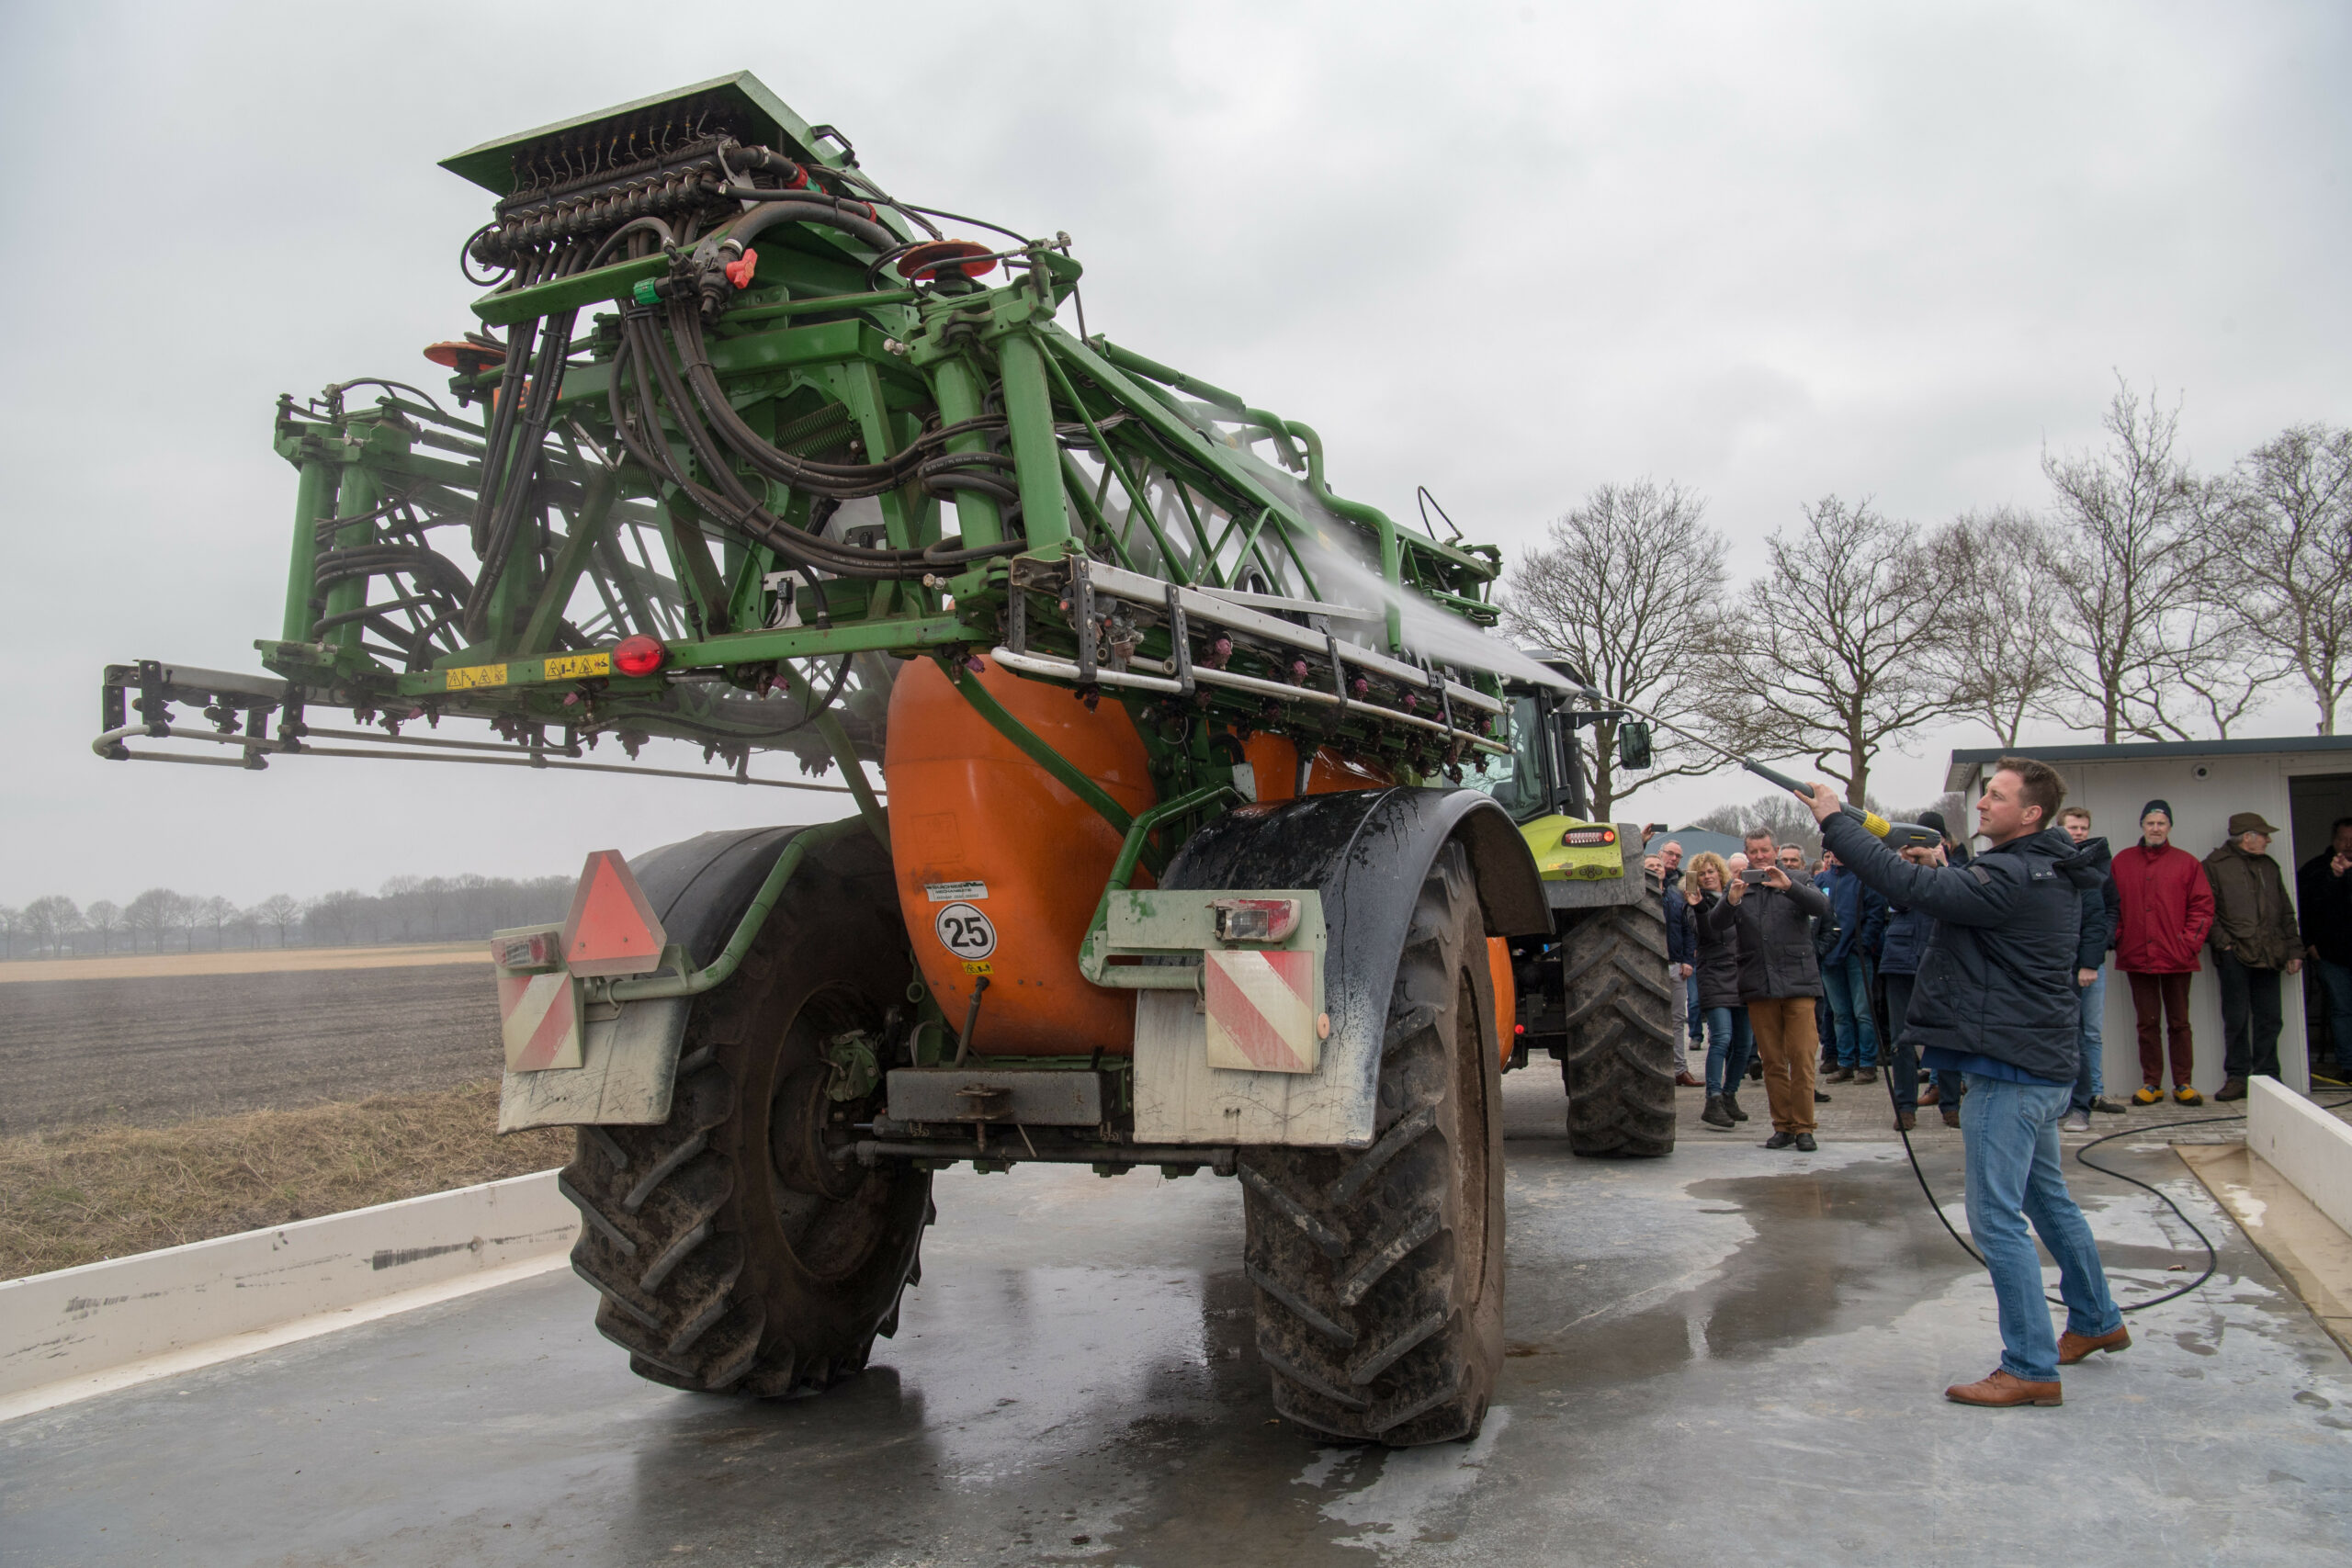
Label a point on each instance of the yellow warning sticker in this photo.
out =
(578, 666)
(472, 675)
(980, 969)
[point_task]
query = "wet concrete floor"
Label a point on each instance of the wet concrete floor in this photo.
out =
(1733, 1355)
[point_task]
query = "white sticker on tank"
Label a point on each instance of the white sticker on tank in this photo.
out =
(949, 892)
(965, 931)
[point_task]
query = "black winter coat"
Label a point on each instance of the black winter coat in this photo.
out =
(1718, 960)
(2000, 976)
(1776, 940)
(2102, 906)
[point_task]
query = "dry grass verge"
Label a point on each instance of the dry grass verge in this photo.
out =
(87, 1193)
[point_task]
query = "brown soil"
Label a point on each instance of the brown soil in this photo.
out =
(149, 1051)
(240, 961)
(95, 1192)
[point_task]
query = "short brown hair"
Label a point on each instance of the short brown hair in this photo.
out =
(1759, 835)
(2038, 784)
(2072, 811)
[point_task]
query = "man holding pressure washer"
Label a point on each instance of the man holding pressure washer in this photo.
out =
(1997, 1002)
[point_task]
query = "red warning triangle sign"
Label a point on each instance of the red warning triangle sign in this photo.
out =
(610, 930)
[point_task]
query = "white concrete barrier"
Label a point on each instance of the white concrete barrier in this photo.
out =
(81, 1331)
(2306, 1144)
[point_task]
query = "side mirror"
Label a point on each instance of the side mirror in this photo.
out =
(1633, 744)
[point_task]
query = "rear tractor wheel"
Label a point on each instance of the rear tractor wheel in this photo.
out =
(731, 1254)
(1379, 1272)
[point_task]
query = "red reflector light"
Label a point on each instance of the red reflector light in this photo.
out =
(1586, 838)
(638, 656)
(1255, 919)
(1519, 1029)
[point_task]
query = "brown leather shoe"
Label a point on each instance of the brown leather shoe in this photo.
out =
(1904, 1121)
(2073, 1347)
(1999, 1391)
(1931, 1095)
(1684, 1080)
(1951, 1116)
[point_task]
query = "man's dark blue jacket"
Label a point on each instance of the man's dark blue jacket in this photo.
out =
(1682, 941)
(1860, 914)
(2102, 906)
(1998, 979)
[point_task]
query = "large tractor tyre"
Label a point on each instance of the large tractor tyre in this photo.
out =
(1619, 1059)
(732, 1255)
(1379, 1272)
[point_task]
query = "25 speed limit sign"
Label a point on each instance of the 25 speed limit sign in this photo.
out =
(965, 931)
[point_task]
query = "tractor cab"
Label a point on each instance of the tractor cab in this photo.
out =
(1541, 784)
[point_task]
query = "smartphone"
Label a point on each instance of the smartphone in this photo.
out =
(1754, 874)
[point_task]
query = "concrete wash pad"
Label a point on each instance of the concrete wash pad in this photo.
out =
(1733, 1355)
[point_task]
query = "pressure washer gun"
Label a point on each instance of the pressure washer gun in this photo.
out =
(1898, 836)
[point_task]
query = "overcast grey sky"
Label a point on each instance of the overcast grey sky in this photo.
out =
(1506, 250)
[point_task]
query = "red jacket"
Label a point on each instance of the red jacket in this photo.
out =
(2167, 909)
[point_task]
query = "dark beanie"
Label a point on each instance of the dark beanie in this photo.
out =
(1934, 819)
(2163, 805)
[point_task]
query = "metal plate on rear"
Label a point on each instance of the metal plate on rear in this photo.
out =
(1040, 1096)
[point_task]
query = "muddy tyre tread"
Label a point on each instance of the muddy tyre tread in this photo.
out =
(1379, 1293)
(685, 1271)
(1619, 1059)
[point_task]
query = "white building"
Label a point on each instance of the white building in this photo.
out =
(2301, 783)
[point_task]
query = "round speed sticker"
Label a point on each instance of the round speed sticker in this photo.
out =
(965, 931)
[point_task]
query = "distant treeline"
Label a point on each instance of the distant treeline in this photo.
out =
(406, 908)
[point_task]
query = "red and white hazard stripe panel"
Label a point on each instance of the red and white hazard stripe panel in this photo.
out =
(1261, 1011)
(539, 1017)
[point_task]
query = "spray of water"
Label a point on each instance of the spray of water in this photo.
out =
(1335, 552)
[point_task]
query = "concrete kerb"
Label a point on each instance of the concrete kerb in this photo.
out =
(2306, 1144)
(76, 1332)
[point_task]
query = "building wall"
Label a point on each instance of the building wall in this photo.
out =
(2205, 791)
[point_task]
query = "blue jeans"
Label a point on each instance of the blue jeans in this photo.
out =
(2336, 982)
(2091, 1077)
(2011, 1140)
(1847, 983)
(1690, 1011)
(1730, 1043)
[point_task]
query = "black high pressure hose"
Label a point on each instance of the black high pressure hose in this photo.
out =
(2082, 1157)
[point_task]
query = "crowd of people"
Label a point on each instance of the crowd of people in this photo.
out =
(1800, 975)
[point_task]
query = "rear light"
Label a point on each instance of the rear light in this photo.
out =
(1575, 837)
(1255, 919)
(638, 656)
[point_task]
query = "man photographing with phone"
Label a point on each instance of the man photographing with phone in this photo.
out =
(1996, 1001)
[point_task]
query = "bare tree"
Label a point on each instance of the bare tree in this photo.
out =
(1777, 813)
(1841, 648)
(152, 914)
(104, 917)
(279, 912)
(1625, 584)
(2125, 554)
(220, 914)
(2002, 657)
(2285, 566)
(51, 922)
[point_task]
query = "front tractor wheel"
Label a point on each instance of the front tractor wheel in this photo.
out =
(1621, 1053)
(1379, 1272)
(731, 1254)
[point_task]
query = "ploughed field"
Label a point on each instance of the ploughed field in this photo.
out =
(151, 1050)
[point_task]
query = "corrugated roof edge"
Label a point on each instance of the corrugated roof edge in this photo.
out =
(1962, 771)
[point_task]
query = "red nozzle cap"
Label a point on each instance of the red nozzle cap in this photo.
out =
(739, 271)
(638, 656)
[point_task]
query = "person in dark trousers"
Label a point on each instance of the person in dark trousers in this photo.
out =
(2090, 973)
(1681, 950)
(1901, 950)
(1705, 895)
(1778, 982)
(2164, 907)
(2254, 941)
(1996, 999)
(2323, 907)
(1859, 916)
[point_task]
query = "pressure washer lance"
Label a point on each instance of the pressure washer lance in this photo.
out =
(1898, 835)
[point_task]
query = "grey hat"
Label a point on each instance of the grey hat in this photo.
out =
(2246, 822)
